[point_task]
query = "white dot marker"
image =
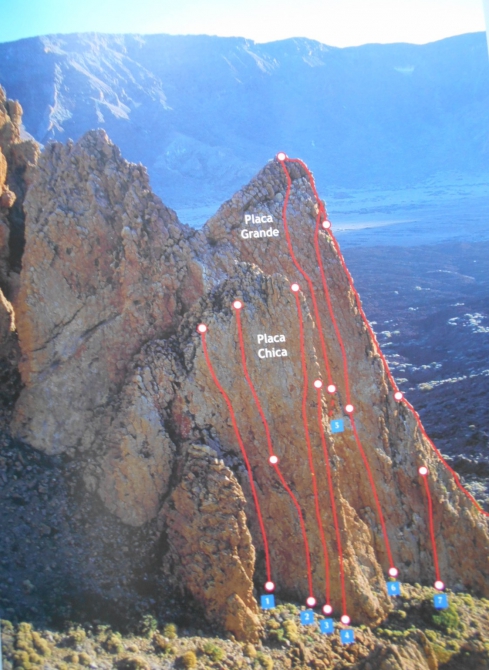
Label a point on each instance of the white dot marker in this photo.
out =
(318, 384)
(273, 459)
(393, 572)
(201, 328)
(398, 396)
(345, 619)
(326, 224)
(311, 601)
(327, 609)
(331, 388)
(423, 471)
(349, 409)
(294, 287)
(439, 585)
(269, 586)
(281, 156)
(237, 304)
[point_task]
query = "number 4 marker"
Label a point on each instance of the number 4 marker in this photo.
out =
(347, 636)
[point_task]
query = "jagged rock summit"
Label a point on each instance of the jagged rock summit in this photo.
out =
(115, 375)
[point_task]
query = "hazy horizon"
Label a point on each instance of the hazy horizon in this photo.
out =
(339, 23)
(233, 37)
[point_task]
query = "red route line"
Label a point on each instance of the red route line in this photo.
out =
(347, 383)
(432, 529)
(454, 474)
(243, 451)
(350, 281)
(362, 313)
(331, 311)
(309, 449)
(374, 491)
(311, 180)
(372, 335)
(271, 452)
(304, 274)
(347, 386)
(345, 365)
(332, 498)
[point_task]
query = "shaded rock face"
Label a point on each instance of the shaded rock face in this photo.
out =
(9, 358)
(206, 520)
(114, 267)
(269, 301)
(112, 290)
(415, 654)
(17, 158)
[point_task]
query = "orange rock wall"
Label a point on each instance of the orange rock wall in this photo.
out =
(112, 290)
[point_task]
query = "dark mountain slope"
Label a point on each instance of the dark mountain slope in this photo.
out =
(203, 113)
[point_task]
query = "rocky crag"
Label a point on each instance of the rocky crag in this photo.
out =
(17, 157)
(114, 376)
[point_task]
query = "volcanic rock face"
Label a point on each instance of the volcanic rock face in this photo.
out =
(114, 267)
(206, 519)
(17, 157)
(9, 354)
(416, 654)
(112, 291)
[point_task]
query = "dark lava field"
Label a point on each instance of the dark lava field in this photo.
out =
(429, 306)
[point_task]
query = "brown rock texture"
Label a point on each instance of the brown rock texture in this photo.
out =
(114, 267)
(205, 519)
(17, 158)
(9, 356)
(112, 290)
(7, 320)
(414, 654)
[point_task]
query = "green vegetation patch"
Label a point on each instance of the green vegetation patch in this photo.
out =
(447, 620)
(189, 660)
(291, 630)
(148, 625)
(454, 637)
(214, 652)
(263, 661)
(249, 650)
(76, 637)
(133, 663)
(113, 643)
(162, 644)
(170, 631)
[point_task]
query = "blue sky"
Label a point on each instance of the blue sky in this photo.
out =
(335, 22)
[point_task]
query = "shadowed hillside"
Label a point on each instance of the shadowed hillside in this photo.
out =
(204, 113)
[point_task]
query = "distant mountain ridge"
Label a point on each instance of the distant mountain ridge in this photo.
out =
(204, 113)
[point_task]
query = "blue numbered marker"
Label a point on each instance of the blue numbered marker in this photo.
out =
(267, 602)
(326, 626)
(337, 426)
(307, 617)
(440, 601)
(394, 588)
(347, 636)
